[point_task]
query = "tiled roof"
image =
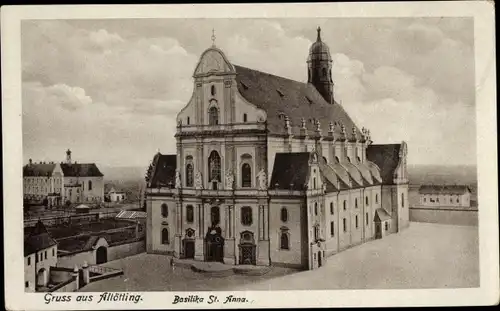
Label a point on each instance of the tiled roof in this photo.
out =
(298, 100)
(386, 157)
(81, 170)
(163, 174)
(381, 215)
(290, 171)
(37, 238)
(38, 169)
(444, 189)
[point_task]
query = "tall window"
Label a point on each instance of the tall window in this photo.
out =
(284, 214)
(357, 225)
(332, 228)
(164, 236)
(90, 185)
(29, 261)
(315, 208)
(284, 239)
(188, 121)
(164, 210)
(189, 213)
(331, 208)
(344, 224)
(215, 215)
(189, 171)
(366, 201)
(356, 202)
(345, 205)
(214, 167)
(245, 117)
(213, 116)
(314, 183)
(402, 200)
(246, 216)
(367, 219)
(246, 175)
(316, 232)
(376, 198)
(212, 90)
(386, 226)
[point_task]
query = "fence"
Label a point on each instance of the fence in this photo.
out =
(71, 219)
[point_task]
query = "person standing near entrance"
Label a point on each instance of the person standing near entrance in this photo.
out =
(172, 264)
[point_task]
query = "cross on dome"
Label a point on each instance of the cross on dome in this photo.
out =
(319, 34)
(213, 37)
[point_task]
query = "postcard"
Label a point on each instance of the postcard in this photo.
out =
(249, 156)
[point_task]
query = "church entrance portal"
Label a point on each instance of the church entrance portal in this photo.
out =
(214, 245)
(247, 249)
(101, 255)
(189, 249)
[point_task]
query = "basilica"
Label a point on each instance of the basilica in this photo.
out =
(271, 171)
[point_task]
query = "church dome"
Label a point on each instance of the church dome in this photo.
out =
(319, 50)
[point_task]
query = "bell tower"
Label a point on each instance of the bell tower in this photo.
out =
(319, 68)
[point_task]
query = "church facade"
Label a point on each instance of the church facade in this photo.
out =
(271, 171)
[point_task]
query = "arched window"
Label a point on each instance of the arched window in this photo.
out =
(245, 117)
(332, 228)
(315, 208)
(284, 239)
(367, 219)
(246, 175)
(357, 221)
(376, 198)
(189, 213)
(189, 171)
(164, 210)
(314, 183)
(366, 201)
(214, 167)
(344, 222)
(356, 202)
(215, 215)
(212, 90)
(386, 226)
(402, 200)
(284, 214)
(345, 205)
(90, 184)
(331, 208)
(188, 121)
(213, 116)
(246, 216)
(164, 236)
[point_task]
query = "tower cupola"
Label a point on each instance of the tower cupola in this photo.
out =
(319, 68)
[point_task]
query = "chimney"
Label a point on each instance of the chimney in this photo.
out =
(68, 156)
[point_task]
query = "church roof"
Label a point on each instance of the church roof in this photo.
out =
(34, 169)
(281, 97)
(37, 238)
(290, 171)
(386, 157)
(163, 174)
(444, 189)
(81, 170)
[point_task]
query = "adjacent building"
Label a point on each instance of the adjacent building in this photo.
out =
(271, 171)
(445, 195)
(116, 196)
(55, 184)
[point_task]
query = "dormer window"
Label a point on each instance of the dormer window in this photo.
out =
(244, 85)
(280, 93)
(309, 100)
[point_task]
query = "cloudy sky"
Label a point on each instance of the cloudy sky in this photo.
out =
(110, 89)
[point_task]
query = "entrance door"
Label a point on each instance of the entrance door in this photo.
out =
(101, 255)
(214, 245)
(319, 259)
(247, 254)
(378, 230)
(189, 249)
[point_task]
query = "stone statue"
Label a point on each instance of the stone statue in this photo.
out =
(229, 180)
(198, 182)
(262, 180)
(178, 183)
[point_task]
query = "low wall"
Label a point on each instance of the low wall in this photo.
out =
(115, 251)
(68, 286)
(464, 217)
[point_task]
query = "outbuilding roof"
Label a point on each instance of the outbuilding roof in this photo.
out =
(37, 238)
(444, 189)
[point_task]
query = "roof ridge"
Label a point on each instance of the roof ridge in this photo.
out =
(270, 74)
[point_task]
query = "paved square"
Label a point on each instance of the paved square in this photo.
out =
(423, 256)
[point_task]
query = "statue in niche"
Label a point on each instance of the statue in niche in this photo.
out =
(178, 183)
(229, 179)
(198, 182)
(262, 180)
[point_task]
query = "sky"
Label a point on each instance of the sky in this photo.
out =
(110, 89)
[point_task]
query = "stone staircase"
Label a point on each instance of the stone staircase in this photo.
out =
(218, 269)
